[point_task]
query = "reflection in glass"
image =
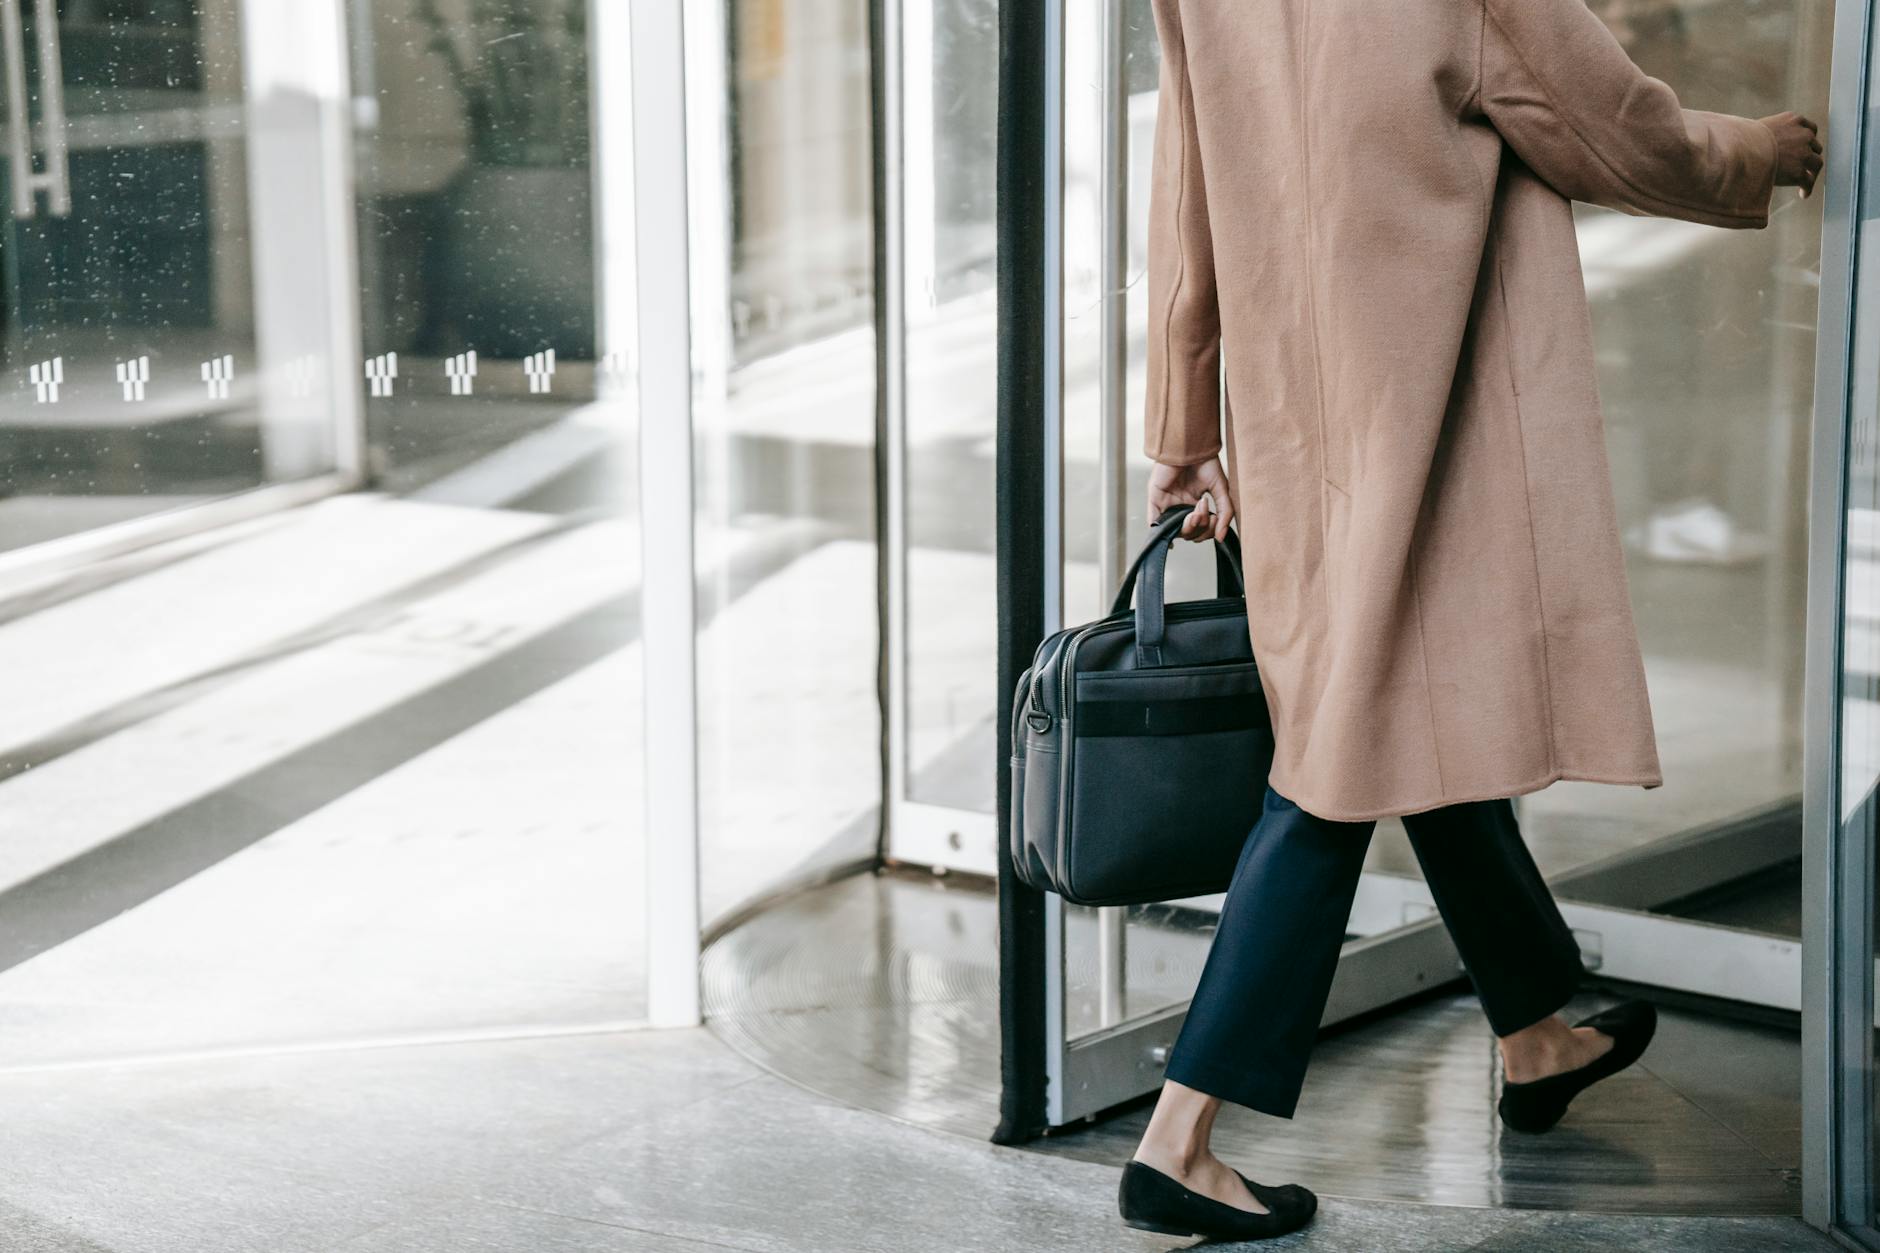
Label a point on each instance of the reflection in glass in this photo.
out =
(1860, 696)
(369, 768)
(1166, 947)
(128, 272)
(952, 336)
(1705, 344)
(1860, 642)
(476, 228)
(789, 707)
(802, 253)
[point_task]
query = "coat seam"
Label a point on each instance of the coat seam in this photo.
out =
(1180, 64)
(1621, 176)
(1481, 60)
(1423, 653)
(1312, 295)
(1312, 317)
(1527, 497)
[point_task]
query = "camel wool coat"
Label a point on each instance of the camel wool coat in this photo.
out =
(1359, 214)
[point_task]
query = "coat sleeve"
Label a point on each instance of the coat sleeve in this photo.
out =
(1571, 104)
(1182, 414)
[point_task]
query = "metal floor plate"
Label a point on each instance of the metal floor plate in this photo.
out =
(882, 992)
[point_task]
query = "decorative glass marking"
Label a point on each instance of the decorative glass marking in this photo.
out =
(462, 371)
(218, 375)
(134, 377)
(382, 374)
(46, 378)
(540, 367)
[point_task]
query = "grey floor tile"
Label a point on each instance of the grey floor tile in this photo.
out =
(385, 1122)
(280, 1153)
(1596, 1233)
(23, 1231)
(82, 1192)
(1747, 1077)
(474, 1227)
(1375, 1227)
(629, 1142)
(773, 1168)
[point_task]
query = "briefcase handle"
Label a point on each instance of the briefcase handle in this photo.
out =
(1152, 566)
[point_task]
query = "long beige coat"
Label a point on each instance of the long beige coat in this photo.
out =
(1362, 208)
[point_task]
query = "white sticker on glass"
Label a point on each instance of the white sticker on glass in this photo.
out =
(462, 372)
(218, 375)
(46, 378)
(134, 377)
(382, 374)
(540, 367)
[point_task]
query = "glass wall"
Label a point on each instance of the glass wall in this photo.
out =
(1846, 1104)
(366, 769)
(476, 226)
(128, 299)
(1706, 348)
(789, 637)
(950, 52)
(802, 241)
(1152, 957)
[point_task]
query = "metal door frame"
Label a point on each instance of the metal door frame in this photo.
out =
(1837, 967)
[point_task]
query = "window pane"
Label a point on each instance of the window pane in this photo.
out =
(367, 768)
(128, 298)
(789, 704)
(952, 403)
(1706, 346)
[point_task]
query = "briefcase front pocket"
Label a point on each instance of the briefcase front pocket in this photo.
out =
(1167, 778)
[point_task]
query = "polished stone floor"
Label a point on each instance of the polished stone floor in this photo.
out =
(883, 991)
(620, 1141)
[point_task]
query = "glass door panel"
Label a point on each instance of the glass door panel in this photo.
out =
(1705, 345)
(369, 769)
(1705, 341)
(941, 319)
(950, 59)
(128, 306)
(1121, 965)
(1857, 814)
(790, 730)
(476, 233)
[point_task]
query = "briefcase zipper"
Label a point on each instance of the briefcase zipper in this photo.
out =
(1180, 610)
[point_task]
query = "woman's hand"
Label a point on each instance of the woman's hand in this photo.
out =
(1798, 151)
(1186, 485)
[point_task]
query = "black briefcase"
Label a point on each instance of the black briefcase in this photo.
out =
(1141, 742)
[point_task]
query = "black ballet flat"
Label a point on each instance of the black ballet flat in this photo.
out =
(1540, 1103)
(1151, 1201)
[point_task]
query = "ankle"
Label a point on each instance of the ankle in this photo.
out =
(1177, 1159)
(1535, 1049)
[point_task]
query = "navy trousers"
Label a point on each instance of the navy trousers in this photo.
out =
(1256, 1010)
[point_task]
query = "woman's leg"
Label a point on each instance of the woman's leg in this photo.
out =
(1516, 948)
(1262, 992)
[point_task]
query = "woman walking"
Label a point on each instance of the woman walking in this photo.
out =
(1363, 211)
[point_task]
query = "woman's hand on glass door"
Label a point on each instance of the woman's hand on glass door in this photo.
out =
(1798, 150)
(1204, 485)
